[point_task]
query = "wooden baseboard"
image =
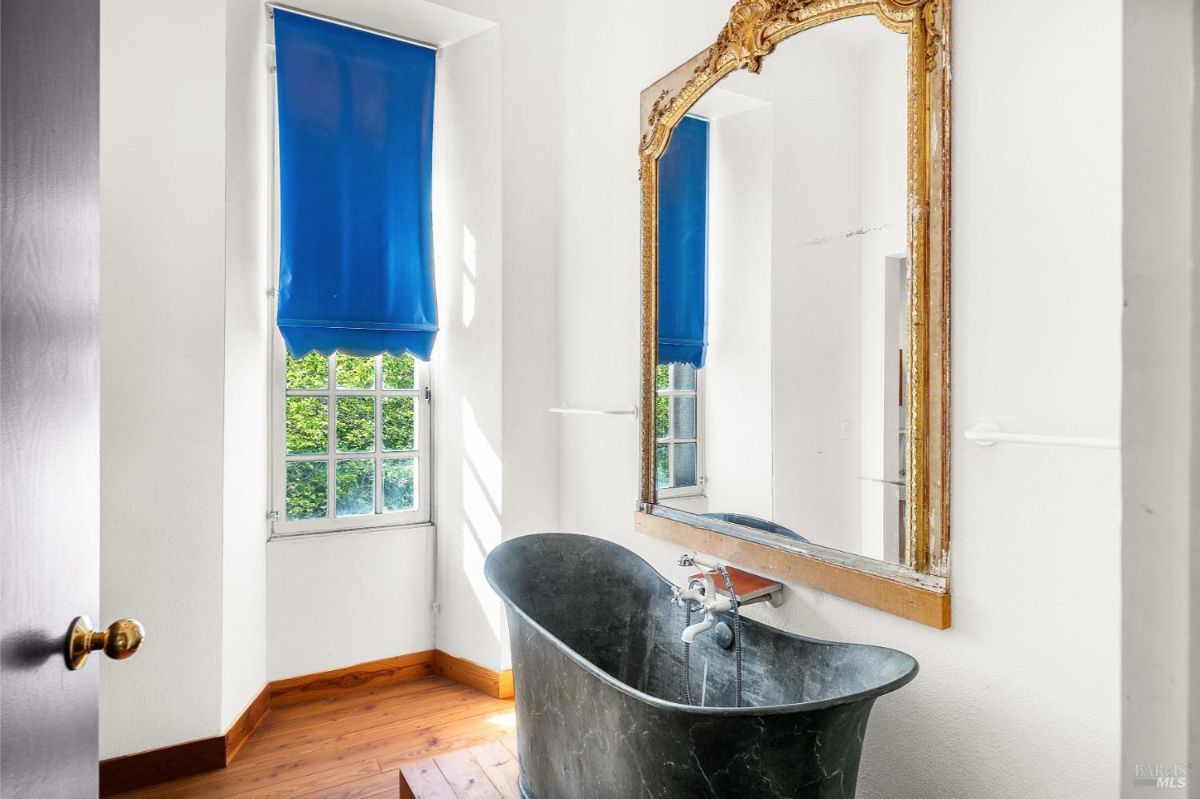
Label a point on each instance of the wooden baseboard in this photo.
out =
(497, 684)
(144, 769)
(141, 770)
(241, 730)
(326, 683)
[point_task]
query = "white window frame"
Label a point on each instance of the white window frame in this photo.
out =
(422, 391)
(701, 472)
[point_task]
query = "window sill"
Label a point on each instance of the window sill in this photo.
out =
(687, 493)
(415, 527)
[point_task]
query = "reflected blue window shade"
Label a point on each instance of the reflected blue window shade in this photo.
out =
(355, 178)
(683, 245)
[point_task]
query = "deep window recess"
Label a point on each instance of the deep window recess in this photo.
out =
(355, 443)
(678, 451)
(356, 296)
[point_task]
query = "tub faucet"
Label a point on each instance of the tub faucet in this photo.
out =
(703, 593)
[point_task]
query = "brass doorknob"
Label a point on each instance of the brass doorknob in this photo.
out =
(122, 639)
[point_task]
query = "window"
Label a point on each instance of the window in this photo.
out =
(354, 158)
(678, 454)
(353, 444)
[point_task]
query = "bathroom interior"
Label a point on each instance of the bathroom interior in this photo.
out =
(535, 399)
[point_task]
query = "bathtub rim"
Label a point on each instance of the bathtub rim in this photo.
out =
(756, 710)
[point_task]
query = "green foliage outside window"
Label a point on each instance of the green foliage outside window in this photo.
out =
(310, 373)
(355, 481)
(356, 424)
(307, 425)
(399, 372)
(307, 430)
(354, 372)
(399, 427)
(399, 484)
(662, 417)
(306, 490)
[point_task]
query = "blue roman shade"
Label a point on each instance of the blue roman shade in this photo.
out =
(355, 178)
(683, 245)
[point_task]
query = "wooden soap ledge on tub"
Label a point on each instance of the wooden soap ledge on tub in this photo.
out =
(749, 588)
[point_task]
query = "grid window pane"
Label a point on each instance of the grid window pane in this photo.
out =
(683, 377)
(662, 466)
(662, 376)
(352, 442)
(683, 416)
(662, 417)
(355, 487)
(399, 423)
(310, 373)
(685, 465)
(356, 424)
(399, 372)
(307, 425)
(307, 490)
(355, 373)
(399, 484)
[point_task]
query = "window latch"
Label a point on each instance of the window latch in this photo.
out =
(428, 394)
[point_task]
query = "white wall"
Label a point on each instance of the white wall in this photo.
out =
(513, 491)
(1021, 696)
(883, 118)
(816, 291)
(1159, 664)
(185, 236)
(163, 251)
(249, 323)
(338, 600)
(737, 374)
(468, 359)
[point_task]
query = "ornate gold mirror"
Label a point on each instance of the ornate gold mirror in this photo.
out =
(795, 299)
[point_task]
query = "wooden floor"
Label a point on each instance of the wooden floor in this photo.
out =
(351, 745)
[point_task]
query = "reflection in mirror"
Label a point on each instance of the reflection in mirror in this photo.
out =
(783, 307)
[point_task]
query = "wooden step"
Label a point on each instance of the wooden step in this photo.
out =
(484, 772)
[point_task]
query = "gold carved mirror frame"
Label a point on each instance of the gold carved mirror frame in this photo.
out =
(918, 589)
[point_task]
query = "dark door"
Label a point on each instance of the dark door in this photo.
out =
(49, 392)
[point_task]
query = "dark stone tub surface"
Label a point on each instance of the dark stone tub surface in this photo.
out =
(599, 673)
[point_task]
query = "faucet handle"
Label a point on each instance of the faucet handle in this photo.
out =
(687, 559)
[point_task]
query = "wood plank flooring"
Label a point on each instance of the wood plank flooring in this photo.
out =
(352, 744)
(484, 772)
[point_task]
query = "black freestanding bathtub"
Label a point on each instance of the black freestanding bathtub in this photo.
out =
(599, 674)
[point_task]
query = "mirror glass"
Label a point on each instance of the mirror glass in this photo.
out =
(783, 299)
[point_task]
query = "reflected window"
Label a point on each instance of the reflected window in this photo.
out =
(678, 454)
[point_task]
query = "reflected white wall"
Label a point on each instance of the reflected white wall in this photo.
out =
(737, 375)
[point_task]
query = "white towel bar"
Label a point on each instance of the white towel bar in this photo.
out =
(631, 411)
(986, 432)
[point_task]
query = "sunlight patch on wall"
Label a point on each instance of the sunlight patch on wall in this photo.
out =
(481, 478)
(471, 263)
